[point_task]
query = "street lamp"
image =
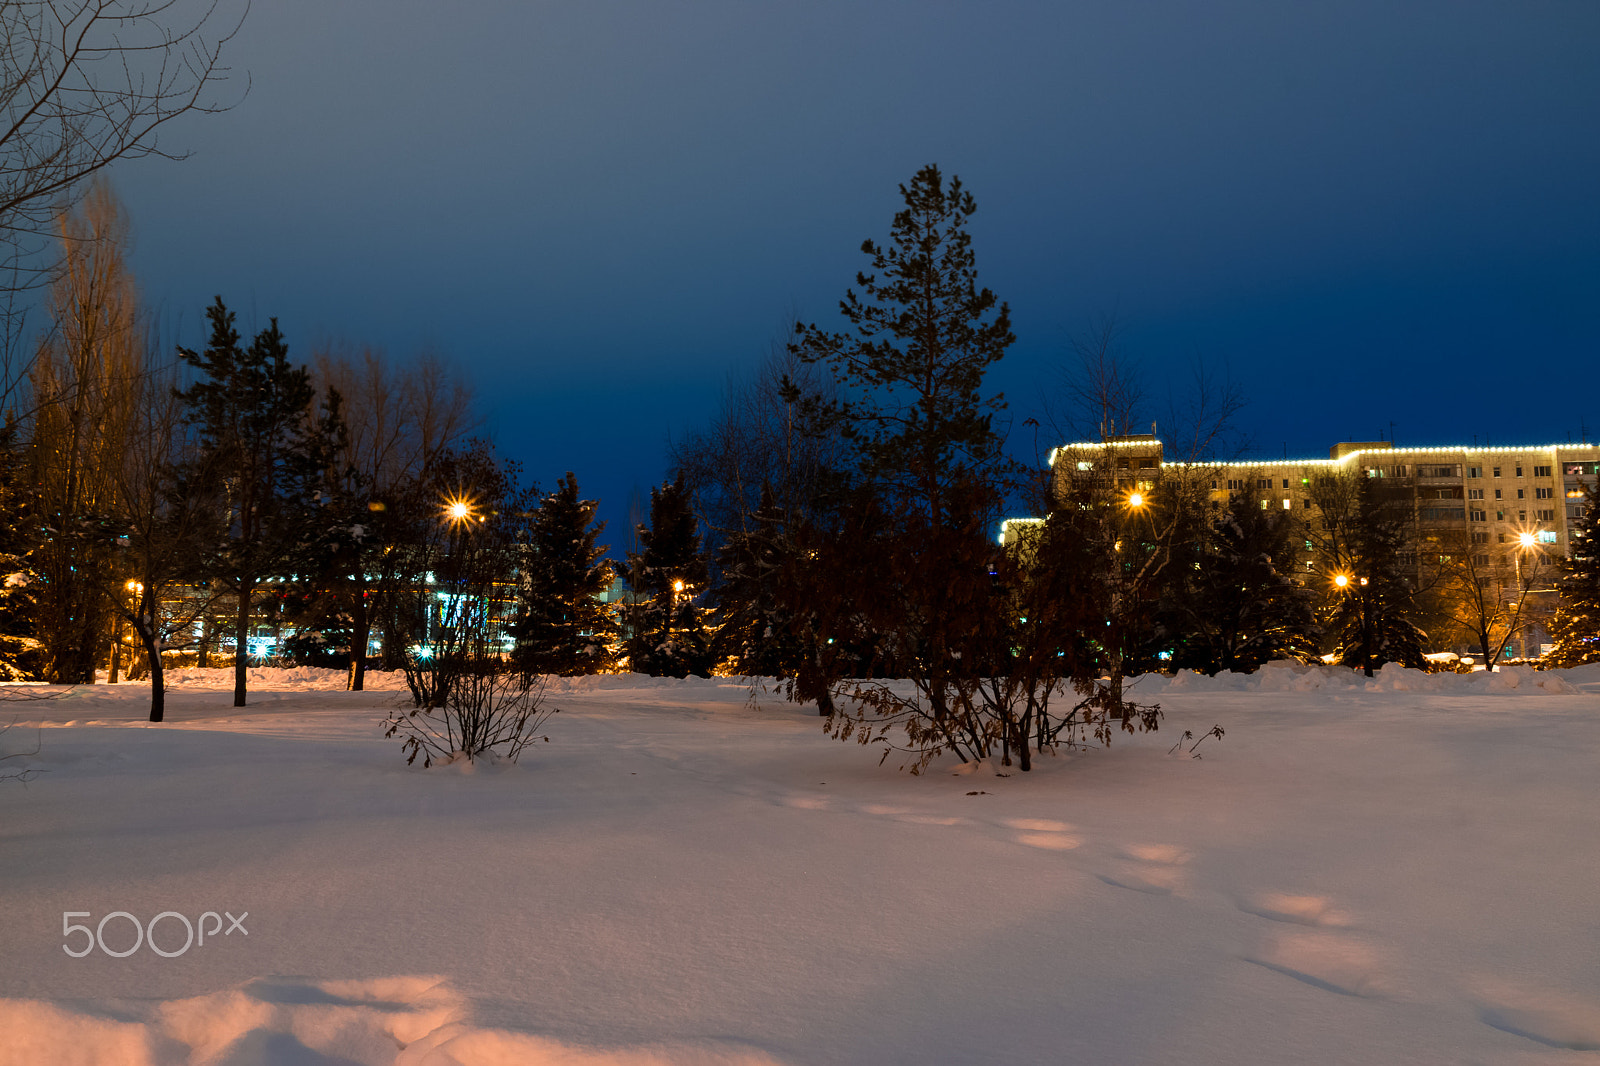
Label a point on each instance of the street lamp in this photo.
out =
(1526, 541)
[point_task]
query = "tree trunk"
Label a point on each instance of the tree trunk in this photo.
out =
(158, 685)
(360, 630)
(241, 646)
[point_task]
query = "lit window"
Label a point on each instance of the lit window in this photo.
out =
(1288, 505)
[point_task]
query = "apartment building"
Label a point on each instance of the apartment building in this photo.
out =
(1463, 498)
(1487, 494)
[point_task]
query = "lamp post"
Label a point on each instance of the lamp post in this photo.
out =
(459, 513)
(672, 613)
(1526, 541)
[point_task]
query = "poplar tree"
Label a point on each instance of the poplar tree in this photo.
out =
(562, 627)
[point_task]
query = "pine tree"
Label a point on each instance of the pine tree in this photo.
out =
(668, 633)
(911, 369)
(262, 457)
(562, 627)
(1576, 627)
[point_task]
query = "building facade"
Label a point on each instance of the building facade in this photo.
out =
(1508, 511)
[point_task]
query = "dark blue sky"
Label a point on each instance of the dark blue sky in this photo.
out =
(1371, 212)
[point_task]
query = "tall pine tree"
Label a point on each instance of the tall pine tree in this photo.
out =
(562, 627)
(668, 635)
(1576, 627)
(910, 369)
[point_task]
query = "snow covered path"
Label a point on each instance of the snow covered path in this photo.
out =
(1352, 875)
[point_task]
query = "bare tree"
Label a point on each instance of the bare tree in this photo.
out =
(759, 437)
(163, 523)
(1101, 382)
(1489, 592)
(398, 427)
(84, 83)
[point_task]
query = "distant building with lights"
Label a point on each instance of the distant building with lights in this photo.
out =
(1464, 498)
(1489, 494)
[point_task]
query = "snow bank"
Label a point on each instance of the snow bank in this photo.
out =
(283, 678)
(394, 1021)
(1317, 677)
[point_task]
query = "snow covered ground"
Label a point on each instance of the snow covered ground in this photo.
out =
(1398, 871)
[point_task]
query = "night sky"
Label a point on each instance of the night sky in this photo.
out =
(1369, 213)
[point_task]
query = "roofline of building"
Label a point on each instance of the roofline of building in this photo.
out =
(1471, 449)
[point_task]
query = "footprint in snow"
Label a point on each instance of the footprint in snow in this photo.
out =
(1554, 1019)
(1329, 961)
(1038, 825)
(1154, 869)
(1296, 910)
(1045, 833)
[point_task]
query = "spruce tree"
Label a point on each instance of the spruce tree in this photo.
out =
(758, 632)
(1372, 613)
(262, 457)
(1232, 604)
(21, 532)
(1576, 627)
(668, 633)
(562, 627)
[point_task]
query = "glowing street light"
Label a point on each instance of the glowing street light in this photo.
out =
(1136, 499)
(1525, 539)
(1341, 580)
(458, 510)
